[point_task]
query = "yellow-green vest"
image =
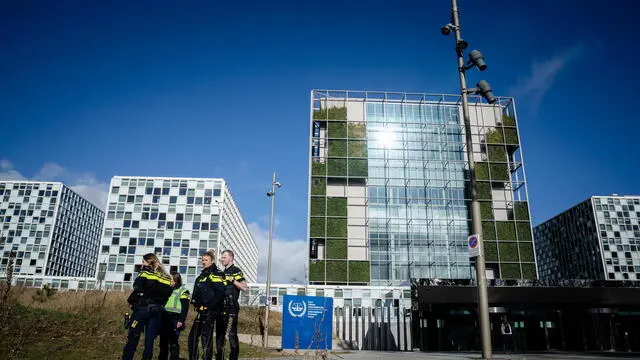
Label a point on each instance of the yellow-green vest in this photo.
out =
(173, 304)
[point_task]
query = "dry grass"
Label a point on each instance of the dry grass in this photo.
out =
(88, 325)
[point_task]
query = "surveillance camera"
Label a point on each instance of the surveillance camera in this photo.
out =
(277, 184)
(476, 58)
(447, 29)
(485, 90)
(269, 194)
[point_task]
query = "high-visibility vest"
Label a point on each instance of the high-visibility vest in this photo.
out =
(173, 304)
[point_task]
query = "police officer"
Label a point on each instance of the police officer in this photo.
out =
(151, 289)
(207, 299)
(173, 319)
(227, 321)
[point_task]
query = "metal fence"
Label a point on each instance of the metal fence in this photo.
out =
(372, 328)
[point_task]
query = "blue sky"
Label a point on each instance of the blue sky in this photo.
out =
(89, 90)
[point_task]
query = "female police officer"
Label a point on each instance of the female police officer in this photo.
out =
(208, 296)
(151, 289)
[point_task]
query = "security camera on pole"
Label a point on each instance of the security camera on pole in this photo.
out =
(272, 195)
(476, 59)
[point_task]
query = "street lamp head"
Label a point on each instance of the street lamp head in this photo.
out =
(277, 184)
(485, 90)
(477, 59)
(270, 194)
(447, 29)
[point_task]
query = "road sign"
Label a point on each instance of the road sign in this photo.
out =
(307, 322)
(473, 242)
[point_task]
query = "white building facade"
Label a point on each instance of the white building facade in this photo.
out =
(176, 218)
(52, 230)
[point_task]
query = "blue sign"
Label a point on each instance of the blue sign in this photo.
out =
(307, 322)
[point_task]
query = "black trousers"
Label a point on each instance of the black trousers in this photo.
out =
(169, 335)
(144, 319)
(201, 333)
(227, 326)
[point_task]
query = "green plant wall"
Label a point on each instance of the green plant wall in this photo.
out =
(358, 168)
(318, 205)
(318, 186)
(318, 169)
(482, 171)
(486, 210)
(510, 271)
(496, 153)
(337, 130)
(359, 271)
(336, 248)
(490, 250)
(337, 148)
(337, 270)
(488, 230)
(506, 230)
(521, 210)
(336, 206)
(526, 252)
(317, 227)
(524, 231)
(336, 227)
(332, 113)
(316, 270)
(529, 271)
(357, 149)
(508, 251)
(357, 130)
(337, 167)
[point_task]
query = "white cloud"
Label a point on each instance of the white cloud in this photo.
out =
(287, 257)
(533, 87)
(85, 184)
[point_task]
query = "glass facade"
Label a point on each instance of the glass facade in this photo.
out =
(51, 229)
(178, 219)
(389, 197)
(598, 239)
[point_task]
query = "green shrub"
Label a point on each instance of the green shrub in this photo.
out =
(506, 230)
(524, 231)
(332, 113)
(316, 270)
(336, 270)
(317, 227)
(336, 206)
(336, 248)
(497, 153)
(336, 227)
(358, 168)
(499, 172)
(490, 250)
(486, 210)
(495, 136)
(482, 171)
(357, 149)
(357, 130)
(526, 252)
(359, 271)
(318, 206)
(510, 271)
(508, 251)
(529, 271)
(318, 186)
(337, 167)
(338, 148)
(521, 210)
(488, 230)
(337, 130)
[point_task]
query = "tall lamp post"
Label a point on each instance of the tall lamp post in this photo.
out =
(475, 60)
(272, 195)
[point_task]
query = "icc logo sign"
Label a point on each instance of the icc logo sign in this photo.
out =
(297, 308)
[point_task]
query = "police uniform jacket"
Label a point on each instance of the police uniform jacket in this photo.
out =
(150, 287)
(208, 290)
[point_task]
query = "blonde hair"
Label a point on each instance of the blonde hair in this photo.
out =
(210, 253)
(155, 263)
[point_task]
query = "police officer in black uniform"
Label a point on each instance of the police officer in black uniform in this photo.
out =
(207, 299)
(227, 321)
(151, 289)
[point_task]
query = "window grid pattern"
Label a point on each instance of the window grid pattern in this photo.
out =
(178, 219)
(49, 227)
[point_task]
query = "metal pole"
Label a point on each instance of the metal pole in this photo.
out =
(483, 303)
(265, 339)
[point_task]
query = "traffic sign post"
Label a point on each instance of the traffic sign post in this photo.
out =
(473, 242)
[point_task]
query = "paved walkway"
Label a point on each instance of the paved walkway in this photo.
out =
(416, 355)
